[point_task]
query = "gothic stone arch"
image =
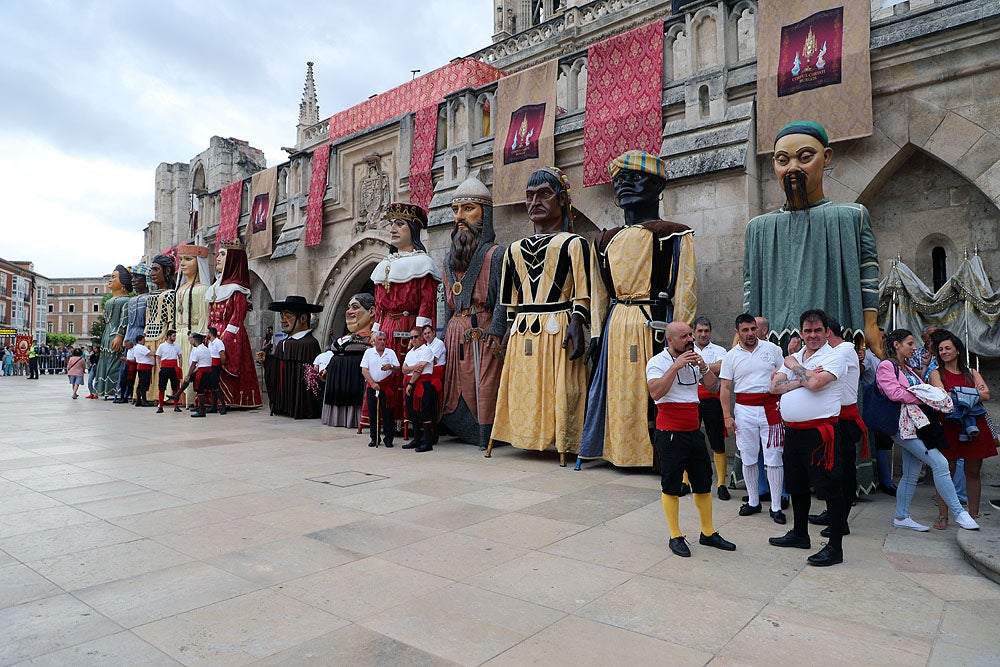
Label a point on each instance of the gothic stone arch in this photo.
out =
(350, 272)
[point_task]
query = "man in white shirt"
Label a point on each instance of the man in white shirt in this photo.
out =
(746, 373)
(168, 360)
(421, 391)
(377, 364)
(144, 362)
(852, 429)
(672, 377)
(200, 370)
(709, 407)
(810, 391)
(218, 351)
(126, 378)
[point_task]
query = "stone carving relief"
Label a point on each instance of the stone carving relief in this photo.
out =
(373, 195)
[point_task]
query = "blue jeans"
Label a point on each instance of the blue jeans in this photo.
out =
(91, 376)
(914, 453)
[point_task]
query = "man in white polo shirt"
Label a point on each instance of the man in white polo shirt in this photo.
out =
(168, 364)
(144, 362)
(810, 407)
(755, 419)
(421, 393)
(672, 377)
(200, 370)
(218, 351)
(709, 407)
(377, 364)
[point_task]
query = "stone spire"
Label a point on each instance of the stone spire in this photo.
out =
(309, 107)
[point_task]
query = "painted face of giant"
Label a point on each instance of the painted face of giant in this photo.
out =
(358, 317)
(115, 283)
(544, 206)
(636, 187)
(468, 216)
(220, 260)
(799, 161)
(189, 267)
(139, 283)
(156, 275)
(399, 235)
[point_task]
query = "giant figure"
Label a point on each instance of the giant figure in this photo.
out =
(344, 386)
(190, 306)
(136, 312)
(159, 304)
(825, 249)
(545, 288)
(228, 298)
(285, 366)
(471, 287)
(115, 312)
(632, 266)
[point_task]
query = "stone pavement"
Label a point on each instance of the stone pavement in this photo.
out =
(128, 538)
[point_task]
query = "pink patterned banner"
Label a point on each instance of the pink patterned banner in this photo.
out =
(624, 99)
(317, 188)
(413, 95)
(229, 218)
(422, 157)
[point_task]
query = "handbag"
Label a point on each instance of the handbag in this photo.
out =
(880, 414)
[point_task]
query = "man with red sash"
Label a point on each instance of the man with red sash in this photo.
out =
(421, 393)
(218, 351)
(672, 377)
(168, 355)
(809, 385)
(144, 362)
(852, 429)
(746, 371)
(378, 364)
(709, 406)
(440, 353)
(201, 370)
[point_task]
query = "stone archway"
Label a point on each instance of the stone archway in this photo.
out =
(258, 316)
(350, 274)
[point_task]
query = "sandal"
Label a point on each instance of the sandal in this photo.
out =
(941, 523)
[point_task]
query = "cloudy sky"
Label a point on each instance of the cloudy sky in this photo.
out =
(97, 93)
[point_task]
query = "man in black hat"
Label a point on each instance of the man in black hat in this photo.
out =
(284, 366)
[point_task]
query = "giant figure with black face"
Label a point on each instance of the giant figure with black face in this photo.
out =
(811, 252)
(632, 265)
(545, 288)
(285, 366)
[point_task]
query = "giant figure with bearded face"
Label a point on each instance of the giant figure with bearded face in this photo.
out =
(471, 287)
(545, 289)
(228, 301)
(811, 252)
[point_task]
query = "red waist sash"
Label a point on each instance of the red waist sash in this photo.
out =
(825, 428)
(434, 379)
(169, 363)
(849, 413)
(705, 394)
(216, 361)
(144, 367)
(768, 401)
(677, 417)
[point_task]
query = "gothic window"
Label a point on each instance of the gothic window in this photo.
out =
(681, 58)
(704, 104)
(198, 180)
(939, 267)
(706, 42)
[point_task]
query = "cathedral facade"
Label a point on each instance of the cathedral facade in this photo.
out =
(929, 172)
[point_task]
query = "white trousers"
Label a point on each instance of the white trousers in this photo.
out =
(752, 431)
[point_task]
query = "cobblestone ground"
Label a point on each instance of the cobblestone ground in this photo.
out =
(132, 538)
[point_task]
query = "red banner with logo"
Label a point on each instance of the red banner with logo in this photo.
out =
(21, 347)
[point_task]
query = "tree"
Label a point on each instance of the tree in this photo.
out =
(60, 339)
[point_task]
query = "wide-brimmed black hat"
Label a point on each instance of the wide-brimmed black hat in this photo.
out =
(296, 304)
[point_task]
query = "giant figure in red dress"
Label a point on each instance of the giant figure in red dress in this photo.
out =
(227, 301)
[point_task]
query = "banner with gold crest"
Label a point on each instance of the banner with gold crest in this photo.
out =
(813, 63)
(260, 231)
(524, 141)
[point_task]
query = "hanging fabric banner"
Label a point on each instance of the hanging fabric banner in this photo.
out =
(524, 141)
(624, 99)
(229, 216)
(263, 192)
(813, 64)
(317, 188)
(422, 156)
(22, 345)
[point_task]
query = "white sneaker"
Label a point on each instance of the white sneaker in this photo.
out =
(911, 524)
(966, 521)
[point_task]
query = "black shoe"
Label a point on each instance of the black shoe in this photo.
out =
(821, 519)
(887, 490)
(723, 492)
(826, 556)
(784, 502)
(427, 447)
(373, 444)
(779, 517)
(388, 445)
(678, 546)
(223, 410)
(197, 414)
(995, 503)
(747, 509)
(826, 531)
(413, 444)
(211, 411)
(717, 541)
(790, 539)
(176, 409)
(159, 410)
(685, 489)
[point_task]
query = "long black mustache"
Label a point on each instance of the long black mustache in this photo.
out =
(463, 246)
(794, 183)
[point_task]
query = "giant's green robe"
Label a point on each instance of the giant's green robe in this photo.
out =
(106, 380)
(821, 257)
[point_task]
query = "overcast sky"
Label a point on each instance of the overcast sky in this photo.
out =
(97, 93)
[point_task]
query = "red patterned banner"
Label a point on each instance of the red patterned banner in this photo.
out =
(422, 157)
(22, 345)
(229, 217)
(317, 188)
(414, 95)
(624, 99)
